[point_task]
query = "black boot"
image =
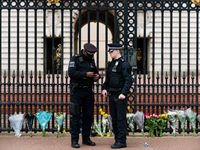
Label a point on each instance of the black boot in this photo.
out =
(89, 142)
(75, 145)
(118, 145)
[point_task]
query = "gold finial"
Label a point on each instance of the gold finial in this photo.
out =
(196, 2)
(53, 1)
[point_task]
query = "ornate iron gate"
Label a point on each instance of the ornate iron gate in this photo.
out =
(36, 35)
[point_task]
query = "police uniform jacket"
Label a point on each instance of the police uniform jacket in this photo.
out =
(79, 65)
(118, 76)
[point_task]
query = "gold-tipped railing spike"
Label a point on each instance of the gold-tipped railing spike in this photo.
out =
(53, 1)
(196, 2)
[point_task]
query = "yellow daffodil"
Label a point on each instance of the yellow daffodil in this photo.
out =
(108, 135)
(128, 107)
(102, 113)
(64, 131)
(164, 116)
(106, 115)
(100, 110)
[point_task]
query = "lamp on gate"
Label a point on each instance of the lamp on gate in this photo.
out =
(132, 57)
(53, 1)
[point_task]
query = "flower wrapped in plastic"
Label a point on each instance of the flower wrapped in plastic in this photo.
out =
(191, 116)
(161, 122)
(151, 124)
(16, 121)
(198, 118)
(29, 122)
(97, 128)
(59, 117)
(182, 118)
(139, 120)
(104, 124)
(43, 118)
(130, 121)
(110, 124)
(172, 120)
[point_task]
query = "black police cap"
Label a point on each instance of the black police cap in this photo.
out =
(90, 48)
(114, 46)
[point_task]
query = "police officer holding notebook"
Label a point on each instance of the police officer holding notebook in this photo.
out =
(116, 86)
(83, 73)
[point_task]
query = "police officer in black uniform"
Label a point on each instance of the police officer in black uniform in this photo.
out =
(117, 85)
(83, 73)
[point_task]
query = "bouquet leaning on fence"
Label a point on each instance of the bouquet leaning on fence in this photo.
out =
(110, 124)
(198, 118)
(59, 117)
(161, 123)
(29, 122)
(182, 118)
(104, 124)
(139, 119)
(151, 124)
(191, 116)
(97, 128)
(43, 118)
(172, 120)
(130, 121)
(16, 121)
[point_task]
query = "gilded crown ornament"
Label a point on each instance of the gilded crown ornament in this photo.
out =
(196, 2)
(53, 1)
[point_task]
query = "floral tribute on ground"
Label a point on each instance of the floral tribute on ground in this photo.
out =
(130, 120)
(29, 122)
(139, 119)
(43, 118)
(16, 121)
(59, 117)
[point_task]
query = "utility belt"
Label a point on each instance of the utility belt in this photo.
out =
(114, 93)
(84, 87)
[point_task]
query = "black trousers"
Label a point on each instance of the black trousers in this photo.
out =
(85, 98)
(118, 110)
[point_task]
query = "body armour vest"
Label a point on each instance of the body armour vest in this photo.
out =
(84, 65)
(116, 79)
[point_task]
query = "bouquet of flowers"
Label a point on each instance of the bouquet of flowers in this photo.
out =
(43, 118)
(105, 121)
(161, 123)
(97, 128)
(110, 124)
(198, 118)
(139, 119)
(130, 121)
(191, 116)
(59, 117)
(172, 120)
(104, 124)
(182, 118)
(29, 122)
(151, 124)
(16, 121)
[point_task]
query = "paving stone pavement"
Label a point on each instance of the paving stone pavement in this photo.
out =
(9, 142)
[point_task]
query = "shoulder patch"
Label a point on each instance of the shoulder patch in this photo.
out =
(122, 59)
(71, 63)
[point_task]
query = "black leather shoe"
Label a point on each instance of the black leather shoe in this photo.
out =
(75, 145)
(118, 145)
(89, 142)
